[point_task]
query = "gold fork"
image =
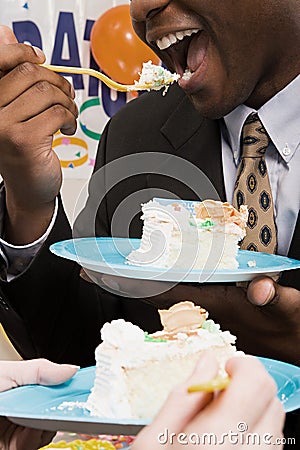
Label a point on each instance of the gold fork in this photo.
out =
(108, 81)
(218, 383)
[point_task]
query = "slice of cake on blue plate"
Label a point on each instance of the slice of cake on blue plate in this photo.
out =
(136, 371)
(190, 235)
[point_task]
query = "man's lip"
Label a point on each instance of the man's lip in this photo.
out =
(195, 82)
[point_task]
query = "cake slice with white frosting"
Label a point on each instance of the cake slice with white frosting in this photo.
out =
(190, 235)
(136, 371)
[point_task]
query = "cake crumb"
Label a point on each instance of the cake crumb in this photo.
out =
(251, 263)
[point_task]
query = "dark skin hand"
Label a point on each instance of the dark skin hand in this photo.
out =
(34, 104)
(264, 316)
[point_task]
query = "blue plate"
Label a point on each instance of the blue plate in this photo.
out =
(42, 407)
(108, 255)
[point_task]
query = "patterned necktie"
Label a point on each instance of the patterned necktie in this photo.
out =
(252, 188)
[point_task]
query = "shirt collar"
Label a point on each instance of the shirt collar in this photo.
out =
(280, 117)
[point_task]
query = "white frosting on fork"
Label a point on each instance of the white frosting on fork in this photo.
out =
(154, 77)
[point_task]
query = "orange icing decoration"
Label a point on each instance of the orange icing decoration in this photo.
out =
(221, 212)
(182, 317)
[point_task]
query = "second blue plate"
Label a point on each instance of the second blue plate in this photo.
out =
(44, 408)
(108, 255)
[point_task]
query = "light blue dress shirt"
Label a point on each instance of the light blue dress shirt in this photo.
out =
(281, 119)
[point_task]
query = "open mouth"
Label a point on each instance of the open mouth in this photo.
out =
(186, 49)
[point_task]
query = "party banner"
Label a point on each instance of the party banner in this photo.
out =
(66, 31)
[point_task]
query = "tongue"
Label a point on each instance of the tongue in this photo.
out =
(197, 51)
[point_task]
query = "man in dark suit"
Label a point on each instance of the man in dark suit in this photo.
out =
(41, 307)
(216, 44)
(49, 310)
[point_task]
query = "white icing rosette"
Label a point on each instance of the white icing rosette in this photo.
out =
(122, 334)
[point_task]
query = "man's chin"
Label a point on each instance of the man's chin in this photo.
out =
(209, 110)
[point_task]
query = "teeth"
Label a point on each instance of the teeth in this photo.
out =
(173, 38)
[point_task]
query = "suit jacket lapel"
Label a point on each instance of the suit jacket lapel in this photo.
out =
(197, 140)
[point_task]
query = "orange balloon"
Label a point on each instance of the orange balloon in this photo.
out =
(116, 48)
